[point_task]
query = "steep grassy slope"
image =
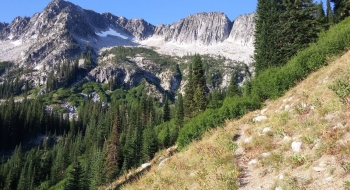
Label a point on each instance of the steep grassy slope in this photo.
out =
(249, 155)
(281, 145)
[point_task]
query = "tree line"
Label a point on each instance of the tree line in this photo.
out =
(104, 142)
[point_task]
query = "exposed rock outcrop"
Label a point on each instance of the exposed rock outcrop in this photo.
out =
(243, 30)
(203, 28)
(133, 73)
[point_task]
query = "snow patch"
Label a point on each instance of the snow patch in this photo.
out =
(17, 42)
(112, 33)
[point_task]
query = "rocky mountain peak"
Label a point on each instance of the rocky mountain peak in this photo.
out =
(62, 30)
(58, 4)
(12, 30)
(243, 30)
(3, 25)
(140, 28)
(204, 28)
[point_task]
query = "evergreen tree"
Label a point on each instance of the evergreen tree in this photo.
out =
(149, 144)
(75, 179)
(199, 84)
(298, 27)
(96, 177)
(266, 30)
(232, 89)
(341, 8)
(166, 110)
(282, 28)
(111, 151)
(189, 92)
(23, 182)
(214, 100)
(180, 111)
(320, 15)
(330, 16)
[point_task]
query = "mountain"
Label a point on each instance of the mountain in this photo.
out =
(202, 28)
(64, 31)
(206, 33)
(243, 30)
(66, 28)
(61, 31)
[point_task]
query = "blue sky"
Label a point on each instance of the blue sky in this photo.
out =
(153, 11)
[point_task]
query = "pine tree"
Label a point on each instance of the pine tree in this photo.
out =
(149, 144)
(96, 177)
(266, 30)
(232, 89)
(214, 99)
(320, 15)
(341, 8)
(330, 16)
(166, 110)
(298, 27)
(199, 84)
(188, 99)
(111, 151)
(283, 28)
(75, 180)
(180, 111)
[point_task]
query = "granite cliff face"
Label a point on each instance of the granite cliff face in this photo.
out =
(207, 33)
(243, 30)
(202, 28)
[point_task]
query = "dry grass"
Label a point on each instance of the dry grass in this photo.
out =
(310, 113)
(208, 164)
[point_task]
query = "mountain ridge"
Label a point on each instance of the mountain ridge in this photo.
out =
(83, 26)
(64, 31)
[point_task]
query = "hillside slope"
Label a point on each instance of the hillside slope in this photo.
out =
(261, 150)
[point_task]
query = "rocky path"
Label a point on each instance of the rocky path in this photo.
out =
(251, 177)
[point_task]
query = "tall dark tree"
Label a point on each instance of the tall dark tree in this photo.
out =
(189, 93)
(199, 84)
(233, 89)
(330, 16)
(266, 29)
(299, 27)
(180, 114)
(320, 14)
(75, 180)
(283, 27)
(111, 151)
(150, 144)
(166, 110)
(341, 8)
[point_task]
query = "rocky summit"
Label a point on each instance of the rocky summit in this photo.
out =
(202, 28)
(64, 31)
(243, 30)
